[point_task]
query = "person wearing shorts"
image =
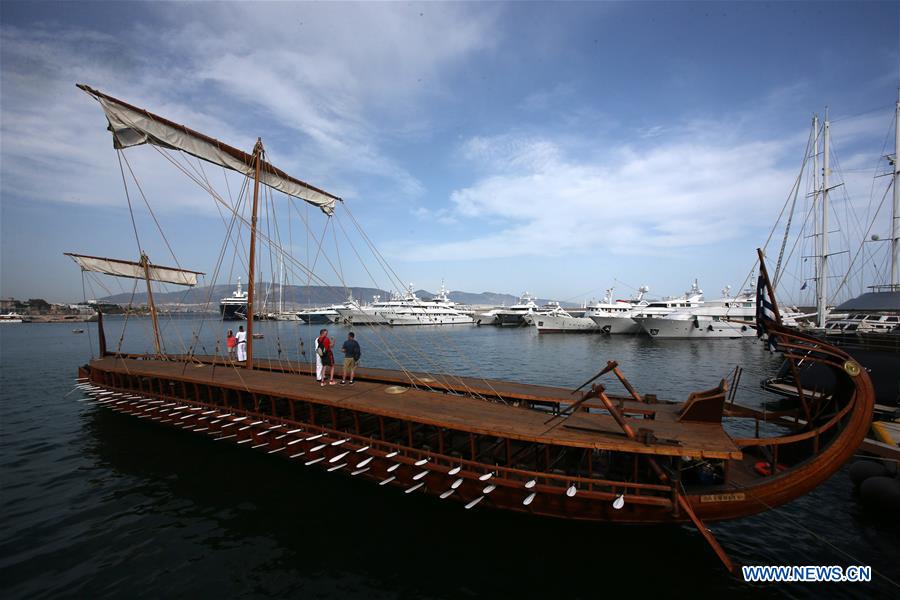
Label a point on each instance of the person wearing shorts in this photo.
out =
(352, 353)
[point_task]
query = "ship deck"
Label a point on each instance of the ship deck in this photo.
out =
(460, 412)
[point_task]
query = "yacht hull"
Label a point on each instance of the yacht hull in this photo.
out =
(510, 320)
(562, 324)
(233, 311)
(617, 325)
(317, 318)
(694, 328)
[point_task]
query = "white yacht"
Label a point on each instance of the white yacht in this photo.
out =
(725, 317)
(514, 315)
(871, 313)
(559, 320)
(234, 307)
(614, 316)
(12, 317)
(284, 316)
(409, 309)
(327, 314)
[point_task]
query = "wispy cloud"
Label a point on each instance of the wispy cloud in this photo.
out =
(336, 87)
(676, 194)
(684, 186)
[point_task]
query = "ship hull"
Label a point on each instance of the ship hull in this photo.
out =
(233, 311)
(406, 319)
(561, 324)
(392, 440)
(694, 328)
(510, 320)
(617, 325)
(317, 318)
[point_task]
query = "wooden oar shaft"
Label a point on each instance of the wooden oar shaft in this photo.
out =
(609, 367)
(627, 384)
(616, 414)
(706, 533)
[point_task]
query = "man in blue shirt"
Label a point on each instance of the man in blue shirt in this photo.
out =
(352, 353)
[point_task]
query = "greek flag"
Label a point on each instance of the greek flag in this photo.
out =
(765, 314)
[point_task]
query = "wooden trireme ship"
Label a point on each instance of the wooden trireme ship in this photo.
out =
(487, 444)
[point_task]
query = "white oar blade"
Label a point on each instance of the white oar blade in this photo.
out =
(474, 502)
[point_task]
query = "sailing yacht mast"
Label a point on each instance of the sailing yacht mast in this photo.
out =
(281, 285)
(815, 199)
(822, 274)
(257, 158)
(895, 215)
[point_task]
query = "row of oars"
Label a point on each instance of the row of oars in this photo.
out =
(201, 419)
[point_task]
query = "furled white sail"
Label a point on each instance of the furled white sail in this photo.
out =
(132, 126)
(135, 270)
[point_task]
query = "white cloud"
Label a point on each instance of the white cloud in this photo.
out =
(682, 186)
(340, 84)
(677, 194)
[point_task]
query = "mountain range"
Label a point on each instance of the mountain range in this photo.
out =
(298, 295)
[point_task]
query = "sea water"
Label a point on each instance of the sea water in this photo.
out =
(97, 504)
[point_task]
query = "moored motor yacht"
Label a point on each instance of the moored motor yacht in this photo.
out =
(614, 317)
(514, 315)
(725, 317)
(234, 307)
(560, 320)
(409, 309)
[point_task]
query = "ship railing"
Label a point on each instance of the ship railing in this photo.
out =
(800, 348)
(646, 493)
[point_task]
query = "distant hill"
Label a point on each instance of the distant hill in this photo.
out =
(301, 295)
(314, 295)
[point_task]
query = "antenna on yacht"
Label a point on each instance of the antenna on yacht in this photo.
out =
(641, 291)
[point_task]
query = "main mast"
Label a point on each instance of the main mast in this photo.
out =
(257, 157)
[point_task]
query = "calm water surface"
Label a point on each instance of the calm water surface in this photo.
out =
(97, 504)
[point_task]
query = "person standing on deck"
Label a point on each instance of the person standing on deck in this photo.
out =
(241, 339)
(319, 353)
(327, 356)
(352, 353)
(230, 343)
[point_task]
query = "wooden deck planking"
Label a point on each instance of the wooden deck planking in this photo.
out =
(464, 413)
(507, 390)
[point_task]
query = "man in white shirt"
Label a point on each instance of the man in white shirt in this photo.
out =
(241, 337)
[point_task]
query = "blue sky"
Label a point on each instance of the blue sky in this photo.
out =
(555, 147)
